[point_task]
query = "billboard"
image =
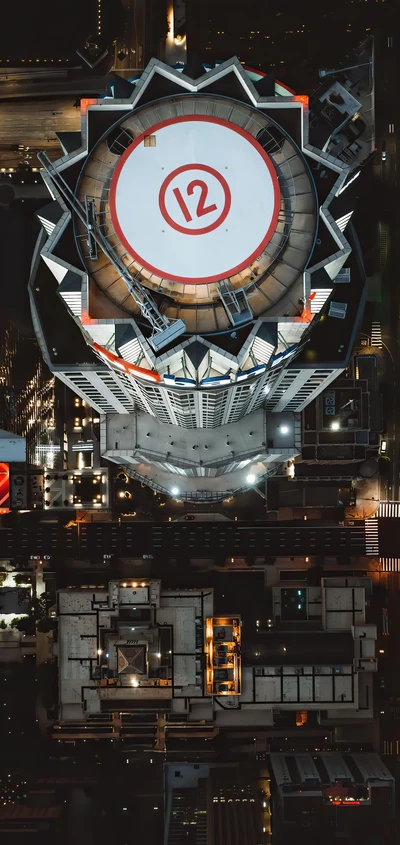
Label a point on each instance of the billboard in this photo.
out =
(4, 488)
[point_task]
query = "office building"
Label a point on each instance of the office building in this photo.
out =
(28, 398)
(216, 804)
(200, 365)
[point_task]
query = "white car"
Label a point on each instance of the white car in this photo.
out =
(383, 447)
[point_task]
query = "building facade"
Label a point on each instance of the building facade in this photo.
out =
(207, 288)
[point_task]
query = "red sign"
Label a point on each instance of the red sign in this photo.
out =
(4, 488)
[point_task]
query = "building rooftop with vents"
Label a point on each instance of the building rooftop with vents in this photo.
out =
(137, 648)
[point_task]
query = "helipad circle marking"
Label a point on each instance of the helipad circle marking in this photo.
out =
(194, 199)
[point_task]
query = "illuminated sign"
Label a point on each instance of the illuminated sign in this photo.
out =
(4, 488)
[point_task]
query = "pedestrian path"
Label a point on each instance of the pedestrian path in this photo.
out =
(390, 564)
(376, 335)
(389, 509)
(371, 537)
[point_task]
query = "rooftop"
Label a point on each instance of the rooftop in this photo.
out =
(331, 339)
(136, 647)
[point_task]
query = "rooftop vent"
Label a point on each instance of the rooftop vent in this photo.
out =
(338, 309)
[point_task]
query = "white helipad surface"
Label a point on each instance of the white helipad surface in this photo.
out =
(196, 199)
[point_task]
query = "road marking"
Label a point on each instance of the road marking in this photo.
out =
(376, 335)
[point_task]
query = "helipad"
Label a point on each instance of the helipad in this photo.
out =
(195, 199)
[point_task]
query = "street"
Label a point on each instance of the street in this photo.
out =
(378, 223)
(132, 42)
(33, 124)
(387, 162)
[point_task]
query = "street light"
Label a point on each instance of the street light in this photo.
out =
(284, 429)
(250, 478)
(335, 426)
(175, 491)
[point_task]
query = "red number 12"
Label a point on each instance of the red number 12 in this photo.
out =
(201, 209)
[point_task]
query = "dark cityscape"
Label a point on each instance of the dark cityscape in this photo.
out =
(199, 423)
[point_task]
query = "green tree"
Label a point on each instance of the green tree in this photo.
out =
(24, 623)
(21, 579)
(39, 608)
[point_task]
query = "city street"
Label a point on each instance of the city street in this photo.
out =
(33, 124)
(131, 42)
(386, 168)
(388, 679)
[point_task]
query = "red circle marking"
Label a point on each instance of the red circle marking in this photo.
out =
(188, 119)
(227, 203)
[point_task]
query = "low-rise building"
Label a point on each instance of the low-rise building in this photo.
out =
(138, 654)
(318, 791)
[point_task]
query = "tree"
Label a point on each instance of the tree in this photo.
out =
(46, 624)
(3, 624)
(39, 608)
(24, 623)
(21, 579)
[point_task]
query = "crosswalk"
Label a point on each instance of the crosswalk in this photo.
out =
(383, 245)
(389, 509)
(371, 537)
(390, 564)
(376, 335)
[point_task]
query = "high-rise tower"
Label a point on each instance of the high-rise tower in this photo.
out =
(196, 230)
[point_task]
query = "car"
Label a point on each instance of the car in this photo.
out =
(383, 151)
(383, 446)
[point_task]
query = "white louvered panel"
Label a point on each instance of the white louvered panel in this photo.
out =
(262, 350)
(317, 301)
(343, 221)
(73, 300)
(131, 351)
(47, 225)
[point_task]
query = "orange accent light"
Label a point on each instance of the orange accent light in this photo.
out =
(87, 102)
(121, 364)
